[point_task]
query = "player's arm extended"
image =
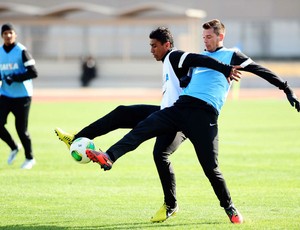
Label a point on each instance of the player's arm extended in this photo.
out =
(250, 66)
(199, 60)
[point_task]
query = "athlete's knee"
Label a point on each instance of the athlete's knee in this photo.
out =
(119, 112)
(121, 109)
(157, 156)
(212, 172)
(161, 158)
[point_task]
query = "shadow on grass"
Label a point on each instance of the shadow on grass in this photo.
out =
(137, 225)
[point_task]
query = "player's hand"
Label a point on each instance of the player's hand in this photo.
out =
(235, 74)
(9, 79)
(291, 96)
(184, 81)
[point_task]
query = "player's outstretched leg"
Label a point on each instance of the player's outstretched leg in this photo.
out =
(234, 215)
(67, 138)
(164, 213)
(101, 158)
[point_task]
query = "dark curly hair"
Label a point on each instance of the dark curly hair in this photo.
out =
(163, 35)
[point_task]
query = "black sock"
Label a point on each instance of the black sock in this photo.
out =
(111, 156)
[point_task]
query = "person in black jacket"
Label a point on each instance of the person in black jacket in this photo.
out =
(176, 65)
(89, 71)
(17, 71)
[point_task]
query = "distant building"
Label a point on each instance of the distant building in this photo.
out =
(59, 30)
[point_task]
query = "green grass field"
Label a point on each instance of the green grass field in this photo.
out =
(259, 157)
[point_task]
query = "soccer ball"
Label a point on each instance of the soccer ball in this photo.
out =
(78, 147)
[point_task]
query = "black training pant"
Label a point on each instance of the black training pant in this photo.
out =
(121, 117)
(198, 121)
(165, 145)
(128, 117)
(19, 107)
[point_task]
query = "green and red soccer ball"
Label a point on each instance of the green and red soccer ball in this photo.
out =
(78, 147)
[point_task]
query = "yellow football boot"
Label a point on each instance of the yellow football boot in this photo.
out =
(164, 213)
(65, 137)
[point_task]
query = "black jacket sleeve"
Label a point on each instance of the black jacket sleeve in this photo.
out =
(239, 58)
(31, 71)
(191, 60)
(199, 60)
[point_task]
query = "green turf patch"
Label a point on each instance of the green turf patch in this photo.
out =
(259, 157)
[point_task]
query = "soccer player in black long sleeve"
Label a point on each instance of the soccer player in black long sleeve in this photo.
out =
(17, 71)
(176, 64)
(196, 113)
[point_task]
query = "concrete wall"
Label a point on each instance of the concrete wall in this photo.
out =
(112, 73)
(141, 73)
